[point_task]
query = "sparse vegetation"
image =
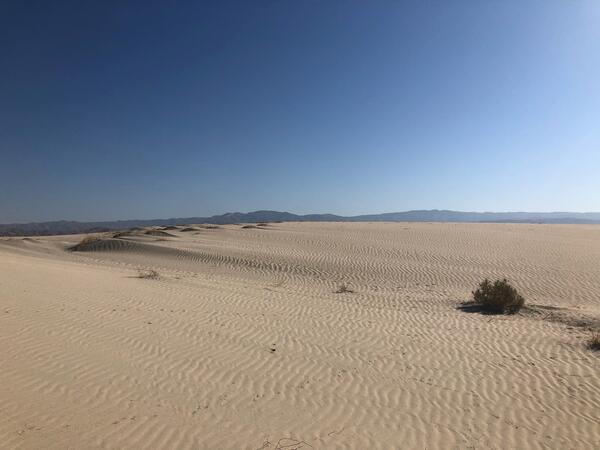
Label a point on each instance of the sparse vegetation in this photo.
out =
(498, 297)
(344, 289)
(148, 274)
(86, 240)
(594, 342)
(121, 234)
(89, 239)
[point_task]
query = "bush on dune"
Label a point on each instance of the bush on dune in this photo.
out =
(85, 241)
(344, 289)
(594, 342)
(89, 239)
(148, 274)
(499, 297)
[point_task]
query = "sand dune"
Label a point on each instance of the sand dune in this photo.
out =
(243, 343)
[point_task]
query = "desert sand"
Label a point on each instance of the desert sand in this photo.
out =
(241, 341)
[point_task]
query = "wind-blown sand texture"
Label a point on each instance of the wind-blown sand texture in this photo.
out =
(242, 343)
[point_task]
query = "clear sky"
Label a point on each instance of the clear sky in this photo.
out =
(114, 110)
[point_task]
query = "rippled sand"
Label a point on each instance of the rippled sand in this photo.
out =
(242, 341)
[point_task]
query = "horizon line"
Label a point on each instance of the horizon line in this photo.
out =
(300, 215)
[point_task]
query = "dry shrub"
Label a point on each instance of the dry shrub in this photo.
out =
(147, 274)
(89, 239)
(594, 342)
(344, 289)
(85, 241)
(499, 297)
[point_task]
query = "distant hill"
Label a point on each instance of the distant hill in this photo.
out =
(69, 227)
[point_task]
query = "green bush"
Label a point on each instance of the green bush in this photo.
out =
(498, 296)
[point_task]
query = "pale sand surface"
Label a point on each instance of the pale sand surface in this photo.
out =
(93, 357)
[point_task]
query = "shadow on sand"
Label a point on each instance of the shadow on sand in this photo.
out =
(470, 307)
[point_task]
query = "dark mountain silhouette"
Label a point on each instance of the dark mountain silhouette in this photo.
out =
(70, 227)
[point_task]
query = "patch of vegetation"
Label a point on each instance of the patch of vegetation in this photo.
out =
(498, 297)
(148, 274)
(344, 289)
(85, 241)
(594, 342)
(89, 239)
(121, 234)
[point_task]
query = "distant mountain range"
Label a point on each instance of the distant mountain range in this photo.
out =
(68, 227)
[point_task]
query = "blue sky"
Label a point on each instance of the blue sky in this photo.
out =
(114, 110)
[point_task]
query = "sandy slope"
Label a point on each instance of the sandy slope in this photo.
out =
(242, 342)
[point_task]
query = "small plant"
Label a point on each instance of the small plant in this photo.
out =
(594, 342)
(344, 289)
(498, 296)
(148, 274)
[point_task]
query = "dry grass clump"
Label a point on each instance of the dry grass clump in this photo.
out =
(344, 289)
(498, 297)
(594, 342)
(85, 241)
(147, 274)
(89, 239)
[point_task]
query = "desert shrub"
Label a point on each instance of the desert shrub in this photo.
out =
(594, 342)
(89, 239)
(498, 296)
(344, 289)
(148, 274)
(85, 241)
